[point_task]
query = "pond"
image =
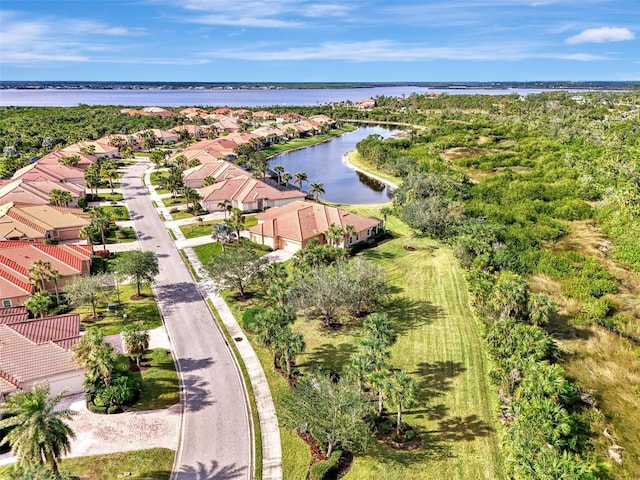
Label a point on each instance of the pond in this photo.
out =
(324, 163)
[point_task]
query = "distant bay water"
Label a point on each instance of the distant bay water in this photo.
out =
(59, 97)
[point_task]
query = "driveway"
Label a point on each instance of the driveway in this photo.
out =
(216, 435)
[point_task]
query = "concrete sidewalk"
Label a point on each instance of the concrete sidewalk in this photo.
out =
(270, 431)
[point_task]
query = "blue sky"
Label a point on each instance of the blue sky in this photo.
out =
(319, 40)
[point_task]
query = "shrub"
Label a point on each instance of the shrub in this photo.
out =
(50, 241)
(595, 311)
(249, 318)
(327, 468)
(82, 203)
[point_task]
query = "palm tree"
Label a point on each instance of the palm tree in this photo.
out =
(86, 233)
(300, 178)
(509, 295)
(39, 273)
(110, 172)
(286, 345)
(402, 391)
(286, 177)
(378, 380)
(191, 196)
(54, 276)
(316, 189)
(60, 198)
(379, 327)
(100, 221)
(92, 179)
(279, 169)
(349, 232)
(385, 211)
(237, 220)
(222, 233)
(38, 304)
(136, 339)
(39, 434)
(334, 234)
(226, 206)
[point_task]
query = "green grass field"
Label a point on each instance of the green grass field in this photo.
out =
(438, 343)
(160, 387)
(306, 142)
(200, 229)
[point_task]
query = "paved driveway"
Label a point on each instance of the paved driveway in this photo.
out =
(216, 437)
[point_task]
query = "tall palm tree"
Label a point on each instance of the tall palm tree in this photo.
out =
(39, 434)
(300, 178)
(279, 169)
(286, 177)
(334, 234)
(540, 306)
(92, 179)
(54, 276)
(402, 391)
(349, 233)
(316, 189)
(109, 171)
(287, 344)
(509, 295)
(237, 220)
(379, 327)
(39, 273)
(191, 196)
(86, 233)
(226, 206)
(60, 198)
(100, 221)
(378, 380)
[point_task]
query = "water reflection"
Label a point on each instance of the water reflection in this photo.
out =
(324, 163)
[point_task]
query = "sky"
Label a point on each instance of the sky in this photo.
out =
(320, 40)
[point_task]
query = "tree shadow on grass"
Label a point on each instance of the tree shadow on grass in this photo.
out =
(408, 313)
(561, 328)
(461, 429)
(214, 471)
(329, 356)
(435, 378)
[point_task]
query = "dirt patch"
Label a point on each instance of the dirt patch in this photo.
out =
(483, 140)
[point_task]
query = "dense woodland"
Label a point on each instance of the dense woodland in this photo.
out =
(539, 198)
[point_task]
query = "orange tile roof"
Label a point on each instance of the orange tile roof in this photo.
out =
(34, 221)
(42, 330)
(245, 189)
(217, 170)
(301, 221)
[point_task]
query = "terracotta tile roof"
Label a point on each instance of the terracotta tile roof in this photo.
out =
(245, 189)
(218, 170)
(34, 221)
(42, 330)
(99, 148)
(301, 221)
(56, 172)
(23, 360)
(13, 314)
(54, 157)
(12, 286)
(36, 192)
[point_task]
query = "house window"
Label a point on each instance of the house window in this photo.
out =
(6, 303)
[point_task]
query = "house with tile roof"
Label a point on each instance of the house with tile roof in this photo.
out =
(99, 149)
(219, 170)
(84, 159)
(56, 172)
(17, 257)
(192, 131)
(37, 192)
(39, 350)
(21, 221)
(292, 226)
(163, 137)
(246, 193)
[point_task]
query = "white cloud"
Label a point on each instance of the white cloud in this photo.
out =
(601, 35)
(391, 51)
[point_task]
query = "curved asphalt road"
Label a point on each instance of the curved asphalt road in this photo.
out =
(216, 438)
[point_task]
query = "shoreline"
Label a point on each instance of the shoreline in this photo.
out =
(346, 161)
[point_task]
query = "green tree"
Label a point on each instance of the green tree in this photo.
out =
(136, 340)
(109, 170)
(39, 274)
(39, 433)
(87, 289)
(97, 357)
(286, 178)
(300, 178)
(92, 178)
(316, 189)
(509, 295)
(139, 265)
(379, 327)
(402, 391)
(236, 267)
(101, 223)
(39, 304)
(334, 413)
(226, 206)
(222, 233)
(60, 198)
(540, 306)
(279, 170)
(237, 220)
(286, 345)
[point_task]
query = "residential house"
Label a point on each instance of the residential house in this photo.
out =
(39, 350)
(263, 116)
(37, 192)
(365, 103)
(193, 112)
(17, 257)
(226, 125)
(84, 159)
(21, 221)
(219, 170)
(246, 193)
(99, 149)
(192, 131)
(292, 226)
(56, 172)
(162, 137)
(157, 112)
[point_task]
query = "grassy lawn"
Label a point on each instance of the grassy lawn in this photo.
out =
(438, 343)
(152, 464)
(160, 387)
(356, 159)
(108, 197)
(116, 213)
(111, 323)
(171, 201)
(182, 214)
(200, 229)
(306, 142)
(206, 251)
(155, 177)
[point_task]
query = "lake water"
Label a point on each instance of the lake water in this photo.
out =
(324, 163)
(233, 98)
